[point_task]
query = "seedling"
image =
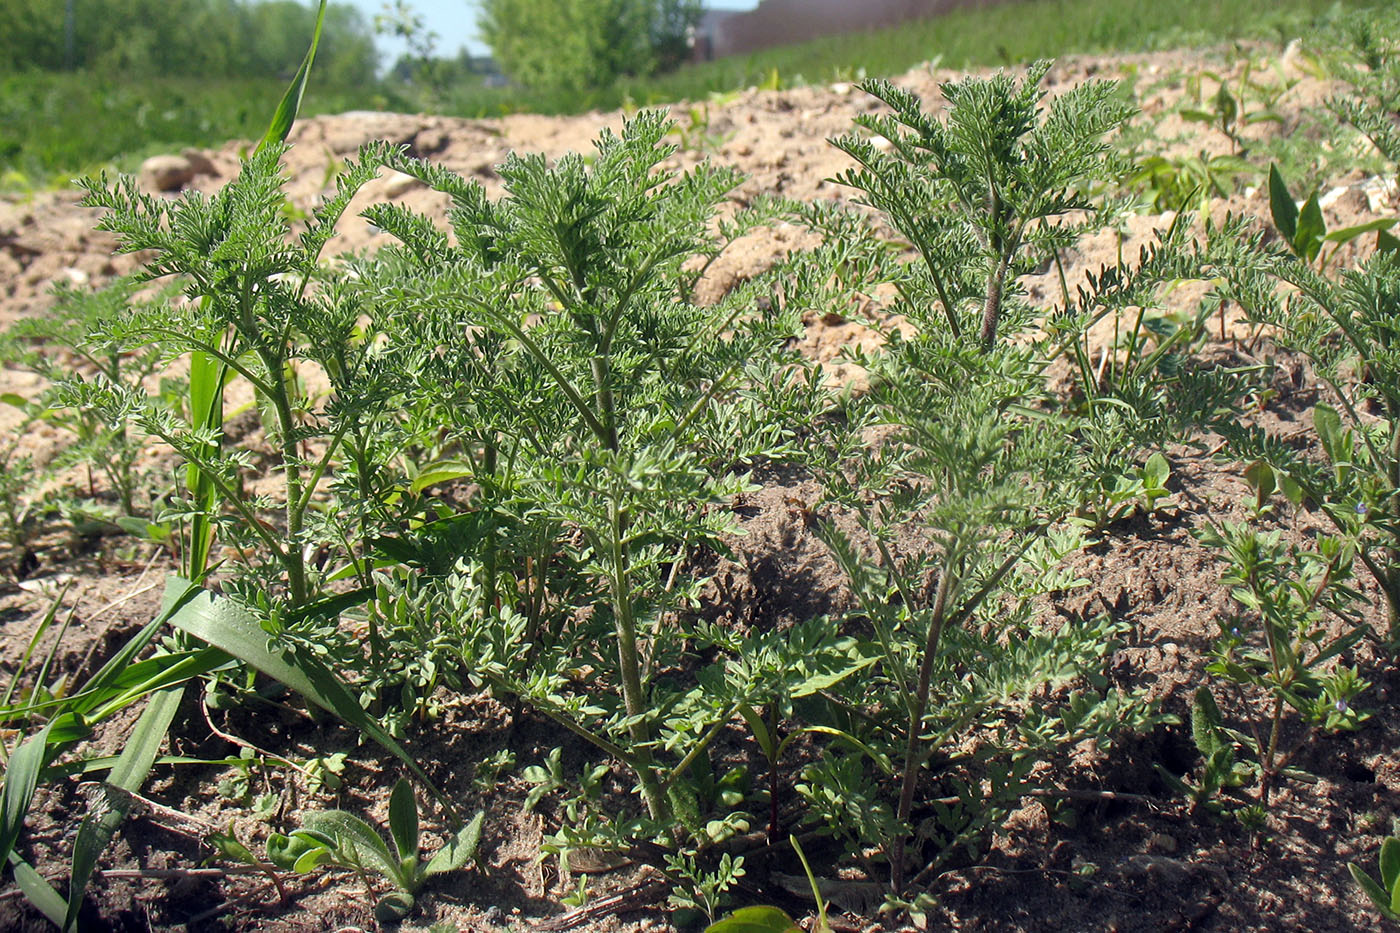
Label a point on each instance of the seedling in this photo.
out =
(337, 839)
(1385, 893)
(1305, 230)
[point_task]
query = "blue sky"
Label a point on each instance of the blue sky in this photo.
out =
(455, 22)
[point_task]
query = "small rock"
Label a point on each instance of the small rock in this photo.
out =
(1161, 842)
(201, 163)
(77, 277)
(1157, 868)
(166, 173)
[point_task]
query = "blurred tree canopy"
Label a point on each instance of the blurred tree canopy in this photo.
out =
(208, 38)
(553, 45)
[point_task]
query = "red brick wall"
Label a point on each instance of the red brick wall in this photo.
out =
(776, 22)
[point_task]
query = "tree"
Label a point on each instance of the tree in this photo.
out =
(554, 45)
(208, 38)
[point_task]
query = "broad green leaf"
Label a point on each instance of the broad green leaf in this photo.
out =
(1311, 229)
(1260, 477)
(1156, 472)
(1205, 723)
(21, 777)
(1378, 895)
(1329, 431)
(1386, 242)
(1292, 489)
(286, 852)
(106, 812)
(1227, 105)
(1346, 234)
(287, 110)
(141, 528)
(354, 837)
(827, 678)
(403, 819)
(1282, 206)
(443, 471)
(39, 892)
(1390, 863)
(224, 625)
(755, 920)
(460, 849)
(230, 848)
(393, 907)
(760, 730)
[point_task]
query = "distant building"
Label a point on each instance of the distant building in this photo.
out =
(778, 22)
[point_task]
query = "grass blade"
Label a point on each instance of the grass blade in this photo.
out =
(224, 625)
(106, 812)
(286, 113)
(49, 615)
(40, 893)
(206, 398)
(21, 777)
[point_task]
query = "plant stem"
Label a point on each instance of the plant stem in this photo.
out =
(629, 663)
(916, 717)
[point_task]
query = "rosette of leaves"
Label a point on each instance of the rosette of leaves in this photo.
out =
(337, 839)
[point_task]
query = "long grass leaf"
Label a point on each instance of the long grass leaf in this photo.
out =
(49, 615)
(21, 777)
(40, 893)
(224, 625)
(206, 398)
(287, 110)
(111, 672)
(106, 812)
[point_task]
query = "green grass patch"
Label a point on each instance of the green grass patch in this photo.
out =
(1008, 34)
(55, 125)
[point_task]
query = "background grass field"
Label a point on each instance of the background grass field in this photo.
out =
(56, 125)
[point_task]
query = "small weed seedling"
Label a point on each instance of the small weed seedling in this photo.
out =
(336, 839)
(1385, 893)
(1276, 659)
